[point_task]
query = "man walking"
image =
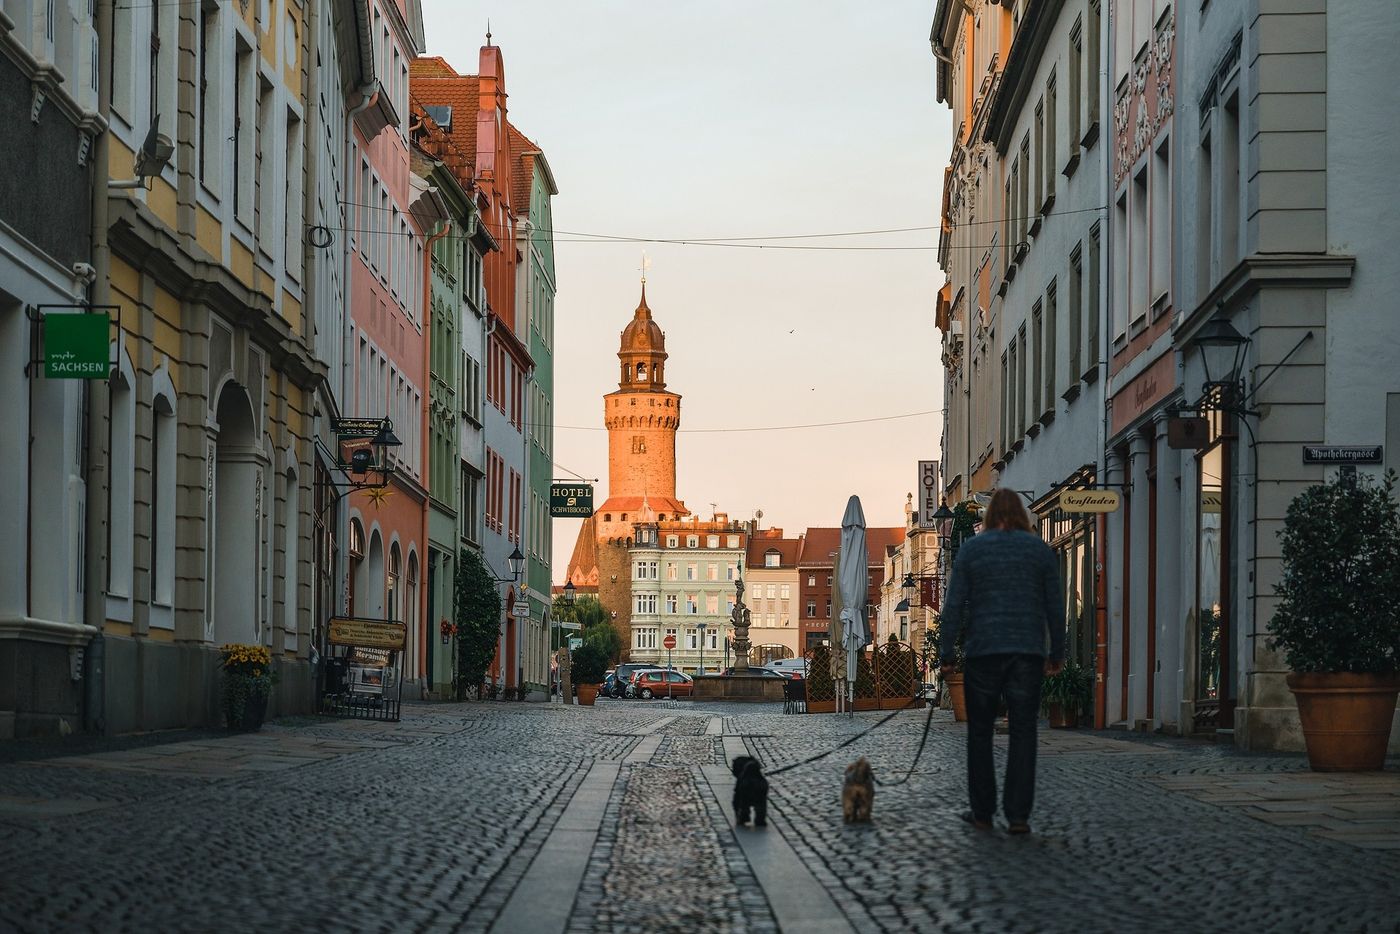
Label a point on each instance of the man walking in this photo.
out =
(1005, 598)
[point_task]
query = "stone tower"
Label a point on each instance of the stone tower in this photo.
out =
(642, 419)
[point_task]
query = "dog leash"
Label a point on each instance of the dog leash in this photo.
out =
(849, 740)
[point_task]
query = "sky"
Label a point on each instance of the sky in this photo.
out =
(671, 119)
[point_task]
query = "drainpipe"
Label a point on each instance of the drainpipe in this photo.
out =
(98, 408)
(1101, 533)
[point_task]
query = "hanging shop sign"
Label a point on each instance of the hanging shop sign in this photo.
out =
(928, 493)
(1342, 454)
(1089, 500)
(366, 633)
(570, 500)
(1188, 433)
(77, 346)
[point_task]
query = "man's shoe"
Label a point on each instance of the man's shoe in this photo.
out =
(1018, 828)
(975, 821)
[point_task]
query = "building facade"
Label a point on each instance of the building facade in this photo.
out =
(816, 565)
(773, 595)
(683, 577)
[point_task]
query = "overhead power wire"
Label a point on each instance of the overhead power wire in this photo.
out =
(849, 421)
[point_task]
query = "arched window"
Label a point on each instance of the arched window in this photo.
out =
(120, 494)
(410, 614)
(392, 610)
(357, 562)
(163, 507)
(627, 373)
(374, 606)
(291, 525)
(641, 372)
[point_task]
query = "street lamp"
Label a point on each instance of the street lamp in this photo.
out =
(1222, 350)
(570, 595)
(908, 587)
(517, 563)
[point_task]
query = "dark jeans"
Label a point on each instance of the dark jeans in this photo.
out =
(987, 679)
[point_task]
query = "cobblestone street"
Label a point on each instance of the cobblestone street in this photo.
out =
(515, 817)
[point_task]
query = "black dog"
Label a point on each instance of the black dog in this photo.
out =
(750, 791)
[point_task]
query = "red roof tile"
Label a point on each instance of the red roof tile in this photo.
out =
(788, 550)
(524, 172)
(433, 83)
(821, 542)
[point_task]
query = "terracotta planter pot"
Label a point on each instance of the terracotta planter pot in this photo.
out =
(1346, 718)
(587, 694)
(1062, 717)
(955, 690)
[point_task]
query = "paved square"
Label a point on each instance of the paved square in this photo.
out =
(513, 817)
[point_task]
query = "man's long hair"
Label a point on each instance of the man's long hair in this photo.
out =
(1005, 512)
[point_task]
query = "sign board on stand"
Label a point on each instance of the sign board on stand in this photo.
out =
(364, 668)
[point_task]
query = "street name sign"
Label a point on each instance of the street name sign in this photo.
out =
(570, 500)
(1089, 500)
(575, 643)
(77, 346)
(1342, 454)
(366, 633)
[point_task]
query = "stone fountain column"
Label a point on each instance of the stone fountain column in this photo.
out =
(740, 618)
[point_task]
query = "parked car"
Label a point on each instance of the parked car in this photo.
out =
(609, 686)
(793, 667)
(649, 684)
(622, 677)
(630, 688)
(761, 672)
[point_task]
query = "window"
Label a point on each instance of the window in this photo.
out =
(1050, 148)
(163, 502)
(1092, 66)
(1118, 299)
(771, 558)
(1021, 409)
(644, 603)
(1205, 176)
(1035, 362)
(1023, 209)
(731, 570)
(712, 604)
(270, 153)
(712, 571)
(828, 609)
(1008, 396)
(208, 97)
(692, 541)
(122, 450)
(811, 580)
(785, 591)
(1076, 64)
(1161, 212)
(1041, 159)
(1076, 310)
(733, 541)
(672, 542)
(670, 571)
(690, 572)
(712, 541)
(714, 638)
(692, 603)
(671, 601)
(1007, 223)
(291, 226)
(772, 591)
(692, 639)
(290, 536)
(1094, 321)
(811, 609)
(644, 638)
(243, 131)
(1048, 360)
(828, 580)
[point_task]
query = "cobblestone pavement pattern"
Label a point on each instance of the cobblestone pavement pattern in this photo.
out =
(433, 823)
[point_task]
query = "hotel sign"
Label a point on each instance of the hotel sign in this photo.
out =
(77, 346)
(366, 633)
(1089, 500)
(1342, 454)
(570, 500)
(928, 493)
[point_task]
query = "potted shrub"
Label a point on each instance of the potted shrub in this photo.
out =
(1338, 619)
(247, 684)
(589, 666)
(1063, 696)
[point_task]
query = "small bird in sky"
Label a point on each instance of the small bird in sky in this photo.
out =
(794, 329)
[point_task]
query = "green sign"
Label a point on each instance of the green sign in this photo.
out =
(77, 346)
(570, 500)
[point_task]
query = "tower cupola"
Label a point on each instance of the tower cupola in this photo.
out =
(643, 351)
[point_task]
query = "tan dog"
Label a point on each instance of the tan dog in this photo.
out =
(858, 791)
